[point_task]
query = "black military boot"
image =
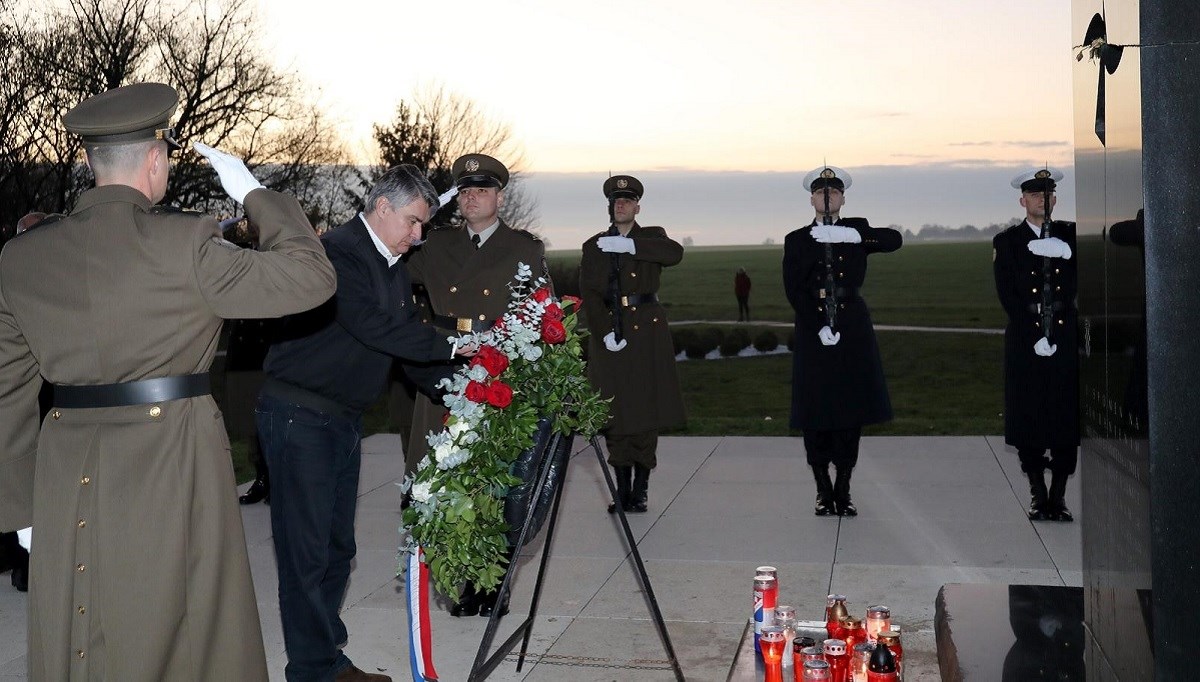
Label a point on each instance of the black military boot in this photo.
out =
(468, 602)
(260, 489)
(825, 505)
(841, 493)
(20, 570)
(1039, 505)
(640, 492)
(1056, 508)
(624, 476)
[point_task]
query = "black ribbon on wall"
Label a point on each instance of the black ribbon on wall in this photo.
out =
(1097, 48)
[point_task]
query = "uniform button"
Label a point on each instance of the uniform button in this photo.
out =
(82, 610)
(82, 523)
(56, 414)
(1058, 288)
(841, 258)
(841, 274)
(482, 318)
(81, 568)
(85, 480)
(656, 319)
(81, 654)
(487, 292)
(633, 274)
(633, 309)
(454, 290)
(155, 411)
(1056, 271)
(635, 327)
(1060, 321)
(1034, 290)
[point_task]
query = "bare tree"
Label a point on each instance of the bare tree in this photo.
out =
(439, 126)
(231, 96)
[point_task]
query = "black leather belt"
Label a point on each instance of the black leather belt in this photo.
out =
(141, 392)
(462, 324)
(840, 292)
(633, 299)
(1036, 308)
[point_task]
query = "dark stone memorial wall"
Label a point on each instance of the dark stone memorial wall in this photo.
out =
(1137, 167)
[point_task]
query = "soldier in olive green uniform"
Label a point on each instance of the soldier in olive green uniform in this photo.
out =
(631, 357)
(140, 571)
(466, 272)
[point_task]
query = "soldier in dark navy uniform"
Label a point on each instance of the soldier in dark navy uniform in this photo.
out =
(1041, 367)
(837, 376)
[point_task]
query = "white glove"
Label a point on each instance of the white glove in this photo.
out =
(828, 336)
(1043, 348)
(445, 197)
(616, 245)
(25, 537)
(836, 234)
(1050, 247)
(235, 178)
(610, 342)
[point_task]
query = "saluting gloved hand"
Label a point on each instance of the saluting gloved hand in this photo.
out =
(828, 336)
(836, 234)
(1043, 347)
(1050, 247)
(235, 178)
(616, 245)
(445, 197)
(610, 342)
(25, 537)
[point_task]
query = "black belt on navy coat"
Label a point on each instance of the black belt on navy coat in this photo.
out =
(462, 324)
(840, 292)
(633, 299)
(1036, 308)
(128, 393)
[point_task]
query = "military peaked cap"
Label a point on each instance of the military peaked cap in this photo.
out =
(827, 176)
(1037, 179)
(623, 187)
(125, 115)
(479, 170)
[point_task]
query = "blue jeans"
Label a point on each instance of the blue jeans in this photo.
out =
(314, 459)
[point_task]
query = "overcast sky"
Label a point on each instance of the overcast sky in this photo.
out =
(934, 103)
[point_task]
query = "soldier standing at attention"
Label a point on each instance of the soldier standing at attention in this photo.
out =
(140, 571)
(466, 272)
(1034, 265)
(837, 376)
(631, 357)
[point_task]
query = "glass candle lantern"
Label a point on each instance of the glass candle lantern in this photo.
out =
(878, 618)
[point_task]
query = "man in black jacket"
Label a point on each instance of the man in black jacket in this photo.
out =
(327, 366)
(837, 376)
(1041, 366)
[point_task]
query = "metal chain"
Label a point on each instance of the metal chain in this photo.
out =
(594, 662)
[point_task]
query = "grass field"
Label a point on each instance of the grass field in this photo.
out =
(940, 383)
(922, 284)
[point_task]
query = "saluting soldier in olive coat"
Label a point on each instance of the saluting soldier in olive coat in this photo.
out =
(631, 360)
(838, 385)
(140, 570)
(465, 272)
(1041, 371)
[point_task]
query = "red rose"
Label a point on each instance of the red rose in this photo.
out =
(476, 392)
(574, 301)
(541, 295)
(499, 326)
(553, 312)
(499, 394)
(491, 359)
(553, 332)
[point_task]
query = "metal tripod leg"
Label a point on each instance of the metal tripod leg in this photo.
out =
(641, 568)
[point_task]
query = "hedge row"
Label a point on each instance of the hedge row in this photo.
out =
(696, 343)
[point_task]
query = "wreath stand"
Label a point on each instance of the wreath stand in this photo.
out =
(484, 665)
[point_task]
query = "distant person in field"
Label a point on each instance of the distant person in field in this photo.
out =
(837, 376)
(631, 357)
(1041, 367)
(741, 290)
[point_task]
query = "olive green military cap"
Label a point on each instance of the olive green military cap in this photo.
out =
(125, 115)
(479, 170)
(623, 187)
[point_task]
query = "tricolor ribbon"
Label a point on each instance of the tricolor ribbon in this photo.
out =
(420, 645)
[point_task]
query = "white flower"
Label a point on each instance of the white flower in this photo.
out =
(477, 373)
(531, 353)
(421, 492)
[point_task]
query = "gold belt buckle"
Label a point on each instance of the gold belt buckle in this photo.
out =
(624, 301)
(464, 324)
